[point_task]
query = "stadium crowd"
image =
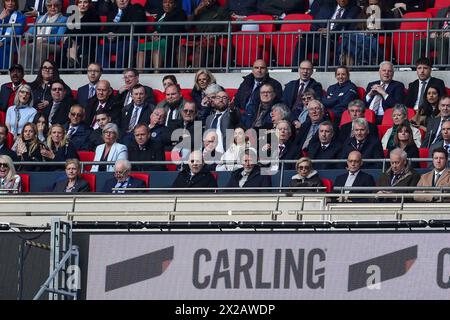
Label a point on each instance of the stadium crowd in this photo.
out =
(45, 121)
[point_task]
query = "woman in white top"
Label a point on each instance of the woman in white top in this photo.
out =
(110, 150)
(22, 111)
(231, 157)
(8, 177)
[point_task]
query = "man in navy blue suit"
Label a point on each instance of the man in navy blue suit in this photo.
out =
(325, 147)
(384, 93)
(122, 179)
(344, 10)
(355, 177)
(370, 147)
(94, 73)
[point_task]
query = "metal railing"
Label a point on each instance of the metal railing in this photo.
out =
(233, 49)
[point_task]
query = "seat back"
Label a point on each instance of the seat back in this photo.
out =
(25, 178)
(186, 93)
(440, 4)
(141, 176)
(382, 128)
(168, 157)
(424, 153)
(269, 27)
(2, 117)
(404, 41)
(86, 156)
(231, 92)
(9, 140)
(369, 115)
(361, 93)
(328, 184)
(91, 180)
(159, 95)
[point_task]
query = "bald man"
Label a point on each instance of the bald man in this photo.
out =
(103, 99)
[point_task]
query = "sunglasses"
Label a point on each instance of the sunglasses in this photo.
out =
(4, 165)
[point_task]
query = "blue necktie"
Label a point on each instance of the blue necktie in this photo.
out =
(216, 119)
(91, 92)
(118, 16)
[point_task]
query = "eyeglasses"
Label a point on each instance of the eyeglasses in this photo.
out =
(73, 114)
(221, 98)
(47, 68)
(57, 89)
(4, 165)
(188, 111)
(108, 132)
(303, 168)
(307, 98)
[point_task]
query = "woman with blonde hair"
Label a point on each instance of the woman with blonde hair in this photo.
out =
(27, 146)
(58, 147)
(203, 78)
(306, 176)
(8, 177)
(73, 182)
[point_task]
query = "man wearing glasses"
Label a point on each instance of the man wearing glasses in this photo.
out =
(223, 118)
(94, 73)
(257, 116)
(77, 131)
(131, 79)
(59, 108)
(122, 179)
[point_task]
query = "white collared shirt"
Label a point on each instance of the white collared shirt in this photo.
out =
(416, 104)
(350, 180)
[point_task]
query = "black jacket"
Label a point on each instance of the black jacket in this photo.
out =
(132, 183)
(80, 186)
(332, 151)
(255, 179)
(131, 13)
(371, 149)
(203, 179)
(153, 151)
(246, 87)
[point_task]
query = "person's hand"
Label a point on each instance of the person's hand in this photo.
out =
(400, 5)
(446, 34)
(47, 153)
(379, 89)
(155, 36)
(205, 101)
(297, 124)
(33, 13)
(266, 147)
(43, 104)
(111, 36)
(4, 14)
(123, 88)
(322, 30)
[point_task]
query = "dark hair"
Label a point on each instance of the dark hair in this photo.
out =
(102, 111)
(140, 125)
(136, 73)
(440, 150)
(58, 81)
(426, 109)
(5, 127)
(171, 77)
(37, 83)
(342, 67)
(36, 119)
(137, 86)
(401, 126)
(425, 61)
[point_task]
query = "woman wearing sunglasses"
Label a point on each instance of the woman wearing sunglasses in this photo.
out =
(10, 182)
(306, 176)
(22, 111)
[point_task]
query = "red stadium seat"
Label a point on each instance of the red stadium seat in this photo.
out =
(86, 156)
(386, 153)
(222, 3)
(440, 4)
(362, 93)
(424, 153)
(328, 184)
(186, 93)
(285, 42)
(168, 157)
(231, 92)
(382, 128)
(75, 93)
(404, 41)
(91, 180)
(9, 140)
(331, 115)
(159, 95)
(141, 176)
(215, 175)
(448, 90)
(28, 22)
(433, 11)
(25, 182)
(387, 117)
(368, 114)
(141, 2)
(2, 117)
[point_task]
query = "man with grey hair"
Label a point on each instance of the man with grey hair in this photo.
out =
(122, 179)
(195, 174)
(356, 109)
(308, 130)
(279, 112)
(384, 93)
(399, 174)
(368, 146)
(208, 101)
(257, 113)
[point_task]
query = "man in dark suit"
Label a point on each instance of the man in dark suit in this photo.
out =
(248, 91)
(122, 179)
(59, 108)
(123, 11)
(444, 142)
(369, 147)
(343, 10)
(96, 136)
(225, 117)
(292, 94)
(354, 178)
(438, 40)
(4, 150)
(435, 124)
(250, 175)
(131, 79)
(326, 147)
(355, 109)
(418, 88)
(144, 149)
(8, 90)
(84, 93)
(257, 114)
(77, 131)
(103, 99)
(158, 131)
(384, 93)
(138, 111)
(173, 106)
(195, 175)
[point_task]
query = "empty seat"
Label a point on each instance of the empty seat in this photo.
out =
(141, 176)
(91, 180)
(328, 184)
(424, 153)
(86, 156)
(25, 178)
(168, 157)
